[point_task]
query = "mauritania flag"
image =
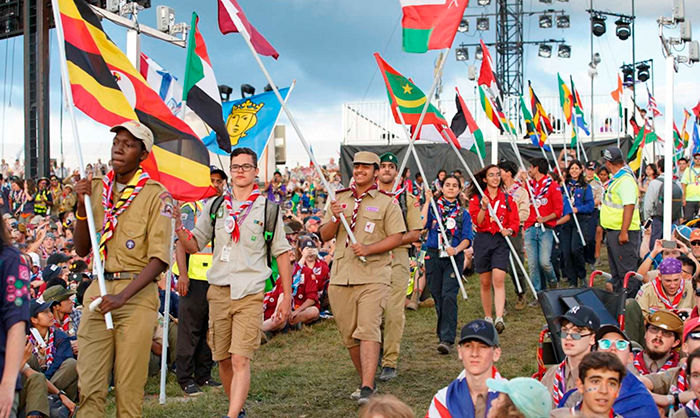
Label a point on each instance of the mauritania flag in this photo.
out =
(201, 90)
(462, 120)
(107, 87)
(406, 98)
(430, 24)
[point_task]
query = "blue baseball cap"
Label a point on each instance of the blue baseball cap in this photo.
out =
(479, 330)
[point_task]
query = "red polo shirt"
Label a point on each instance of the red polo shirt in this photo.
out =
(506, 211)
(307, 289)
(548, 202)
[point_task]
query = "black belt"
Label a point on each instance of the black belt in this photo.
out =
(120, 276)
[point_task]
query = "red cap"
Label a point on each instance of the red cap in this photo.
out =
(690, 326)
(695, 235)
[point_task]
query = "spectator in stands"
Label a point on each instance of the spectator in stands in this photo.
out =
(661, 339)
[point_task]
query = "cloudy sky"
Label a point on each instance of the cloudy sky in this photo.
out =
(327, 47)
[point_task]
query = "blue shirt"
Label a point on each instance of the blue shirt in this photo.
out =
(583, 198)
(13, 308)
(64, 351)
(434, 230)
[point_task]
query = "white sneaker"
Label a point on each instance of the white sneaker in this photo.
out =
(355, 395)
(488, 319)
(500, 325)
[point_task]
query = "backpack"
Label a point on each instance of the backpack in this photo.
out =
(677, 197)
(271, 214)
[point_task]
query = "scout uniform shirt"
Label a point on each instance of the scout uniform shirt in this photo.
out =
(650, 302)
(143, 229)
(412, 218)
(241, 265)
(570, 377)
(378, 217)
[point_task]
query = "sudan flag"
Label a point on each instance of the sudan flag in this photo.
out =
(406, 98)
(201, 89)
(107, 88)
(462, 120)
(430, 24)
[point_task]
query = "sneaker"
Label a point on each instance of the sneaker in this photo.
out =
(212, 383)
(326, 314)
(356, 394)
(242, 414)
(500, 325)
(365, 393)
(192, 390)
(388, 373)
(488, 319)
(520, 303)
(533, 304)
(445, 347)
(430, 302)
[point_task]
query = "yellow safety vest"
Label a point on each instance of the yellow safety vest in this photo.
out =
(611, 210)
(199, 263)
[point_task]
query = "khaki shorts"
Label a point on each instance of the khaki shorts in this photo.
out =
(235, 325)
(357, 310)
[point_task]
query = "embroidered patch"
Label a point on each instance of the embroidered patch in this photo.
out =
(253, 238)
(344, 205)
(417, 204)
(369, 228)
(130, 244)
(166, 208)
(372, 209)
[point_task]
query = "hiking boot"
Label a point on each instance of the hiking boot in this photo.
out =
(520, 303)
(430, 302)
(192, 390)
(445, 347)
(413, 302)
(388, 373)
(365, 393)
(500, 325)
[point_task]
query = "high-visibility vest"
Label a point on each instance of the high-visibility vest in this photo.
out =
(612, 209)
(198, 263)
(40, 207)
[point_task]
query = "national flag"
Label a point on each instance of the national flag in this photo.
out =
(201, 89)
(565, 99)
(696, 110)
(442, 133)
(406, 98)
(232, 19)
(463, 120)
(653, 106)
(574, 138)
(107, 87)
(430, 24)
(684, 133)
(311, 161)
(530, 125)
(645, 136)
(578, 109)
(491, 112)
(696, 138)
(163, 82)
(617, 94)
(487, 77)
(540, 118)
(250, 122)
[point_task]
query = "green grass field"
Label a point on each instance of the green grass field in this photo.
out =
(308, 373)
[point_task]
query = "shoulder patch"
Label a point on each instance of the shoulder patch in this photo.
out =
(166, 207)
(394, 201)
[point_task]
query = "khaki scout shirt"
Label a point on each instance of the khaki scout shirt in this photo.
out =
(247, 269)
(378, 217)
(664, 381)
(143, 230)
(649, 301)
(570, 375)
(413, 219)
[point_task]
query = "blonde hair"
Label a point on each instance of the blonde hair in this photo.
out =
(386, 406)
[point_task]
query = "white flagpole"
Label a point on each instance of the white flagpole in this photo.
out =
(166, 314)
(568, 196)
(331, 192)
(515, 274)
(81, 164)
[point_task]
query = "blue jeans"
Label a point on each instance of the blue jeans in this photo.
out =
(538, 245)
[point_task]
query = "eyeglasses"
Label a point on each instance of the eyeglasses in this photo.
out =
(620, 345)
(695, 243)
(694, 335)
(244, 167)
(576, 336)
(654, 330)
(697, 292)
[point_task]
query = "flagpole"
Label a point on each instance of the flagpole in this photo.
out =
(331, 192)
(412, 149)
(515, 273)
(166, 313)
(571, 200)
(81, 164)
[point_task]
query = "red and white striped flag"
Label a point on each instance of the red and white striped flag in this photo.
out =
(653, 107)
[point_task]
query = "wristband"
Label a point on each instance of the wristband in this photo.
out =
(187, 231)
(676, 399)
(334, 219)
(60, 392)
(80, 218)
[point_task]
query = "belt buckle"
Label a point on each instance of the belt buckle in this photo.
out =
(537, 224)
(116, 276)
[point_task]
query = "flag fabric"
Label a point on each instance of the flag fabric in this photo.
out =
(638, 148)
(107, 88)
(696, 110)
(491, 112)
(249, 122)
(406, 98)
(487, 77)
(684, 133)
(578, 109)
(442, 133)
(163, 82)
(462, 120)
(653, 106)
(430, 24)
(574, 138)
(540, 119)
(696, 138)
(201, 89)
(617, 95)
(311, 162)
(565, 99)
(232, 19)
(530, 125)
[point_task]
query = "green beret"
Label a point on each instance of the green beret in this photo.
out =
(389, 157)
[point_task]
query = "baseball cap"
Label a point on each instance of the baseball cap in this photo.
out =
(613, 155)
(36, 261)
(581, 316)
(479, 330)
(6, 216)
(527, 394)
(610, 328)
(216, 170)
(68, 186)
(49, 272)
(690, 325)
(366, 157)
(591, 165)
(695, 235)
(36, 220)
(313, 220)
(36, 307)
(57, 294)
(138, 130)
(389, 157)
(307, 243)
(665, 320)
(57, 258)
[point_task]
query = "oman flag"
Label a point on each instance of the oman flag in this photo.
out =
(430, 24)
(201, 90)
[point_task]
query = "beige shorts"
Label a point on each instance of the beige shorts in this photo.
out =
(235, 325)
(357, 310)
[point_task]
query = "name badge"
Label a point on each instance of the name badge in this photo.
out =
(369, 228)
(225, 253)
(372, 209)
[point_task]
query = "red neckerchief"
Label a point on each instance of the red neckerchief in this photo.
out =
(540, 188)
(231, 223)
(449, 210)
(559, 388)
(356, 208)
(661, 294)
(641, 366)
(514, 188)
(50, 348)
(65, 325)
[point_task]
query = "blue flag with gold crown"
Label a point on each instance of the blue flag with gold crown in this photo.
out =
(249, 122)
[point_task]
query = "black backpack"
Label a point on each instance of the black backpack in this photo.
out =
(271, 214)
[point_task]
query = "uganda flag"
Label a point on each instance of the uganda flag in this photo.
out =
(107, 88)
(406, 98)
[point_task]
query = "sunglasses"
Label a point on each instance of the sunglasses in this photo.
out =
(694, 336)
(695, 243)
(697, 292)
(576, 336)
(620, 345)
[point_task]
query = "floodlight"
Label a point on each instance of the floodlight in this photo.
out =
(463, 26)
(564, 51)
(623, 30)
(225, 92)
(643, 72)
(686, 31)
(598, 25)
(628, 75)
(483, 2)
(482, 23)
(479, 53)
(546, 1)
(596, 59)
(165, 16)
(694, 51)
(679, 10)
(545, 21)
(545, 51)
(462, 54)
(563, 22)
(247, 89)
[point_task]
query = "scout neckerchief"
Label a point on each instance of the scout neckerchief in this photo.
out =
(231, 224)
(576, 409)
(356, 208)
(513, 188)
(641, 366)
(696, 175)
(559, 388)
(113, 210)
(50, 347)
(65, 325)
(661, 294)
(694, 407)
(620, 173)
(540, 188)
(681, 384)
(297, 278)
(449, 210)
(459, 400)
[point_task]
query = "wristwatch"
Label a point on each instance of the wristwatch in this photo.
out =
(60, 392)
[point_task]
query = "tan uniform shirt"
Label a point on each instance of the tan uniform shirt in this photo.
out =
(664, 381)
(647, 298)
(413, 219)
(143, 230)
(654, 365)
(523, 201)
(378, 217)
(570, 375)
(246, 269)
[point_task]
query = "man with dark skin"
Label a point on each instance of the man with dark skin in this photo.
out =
(134, 255)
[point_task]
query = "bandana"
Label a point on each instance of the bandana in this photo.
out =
(356, 208)
(540, 189)
(661, 294)
(232, 222)
(694, 407)
(458, 399)
(448, 211)
(514, 188)
(641, 366)
(559, 388)
(64, 326)
(50, 348)
(671, 266)
(680, 385)
(112, 210)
